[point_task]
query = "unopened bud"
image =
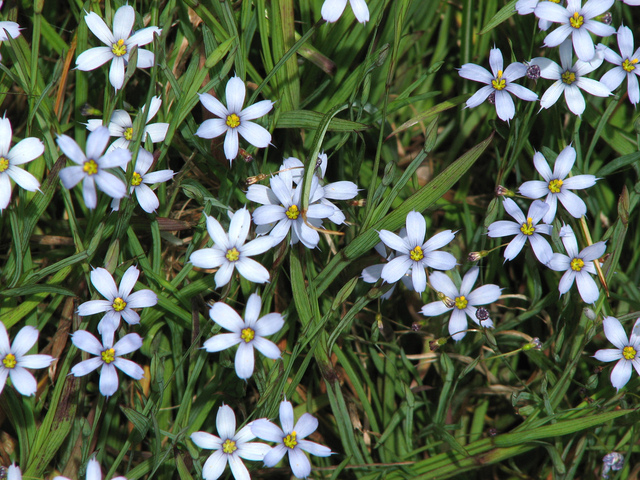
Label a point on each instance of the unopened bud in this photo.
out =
(590, 314)
(605, 18)
(475, 256)
(534, 344)
(482, 314)
(246, 155)
(504, 192)
(89, 111)
(533, 72)
(436, 344)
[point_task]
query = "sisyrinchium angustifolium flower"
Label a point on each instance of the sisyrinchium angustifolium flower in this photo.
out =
(415, 254)
(577, 265)
(108, 357)
(94, 472)
(23, 152)
(461, 301)
(91, 168)
(626, 65)
(120, 302)
(557, 185)
(234, 120)
(525, 229)
(332, 10)
(141, 180)
(14, 361)
(247, 333)
(576, 20)
(230, 447)
(499, 84)
(121, 126)
(290, 440)
(627, 351)
(119, 43)
(569, 79)
(229, 251)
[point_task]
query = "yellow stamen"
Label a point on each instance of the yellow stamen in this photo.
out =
(119, 304)
(4, 164)
(233, 254)
(229, 446)
(136, 179)
(290, 440)
(528, 228)
(629, 65)
(629, 353)
(119, 48)
(90, 167)
(461, 302)
(499, 83)
(568, 77)
(416, 254)
(233, 120)
(128, 133)
(247, 334)
(555, 185)
(109, 355)
(292, 212)
(576, 21)
(577, 264)
(10, 360)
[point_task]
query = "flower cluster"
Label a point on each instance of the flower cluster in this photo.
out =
(231, 446)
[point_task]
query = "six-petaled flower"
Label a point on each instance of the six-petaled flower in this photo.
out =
(234, 120)
(247, 334)
(627, 351)
(557, 186)
(290, 440)
(14, 361)
(119, 302)
(230, 447)
(461, 301)
(119, 43)
(25, 151)
(499, 84)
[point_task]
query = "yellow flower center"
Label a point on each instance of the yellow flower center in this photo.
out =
(119, 48)
(292, 212)
(576, 21)
(528, 228)
(4, 164)
(290, 440)
(416, 254)
(233, 254)
(554, 1)
(128, 133)
(119, 304)
(136, 179)
(577, 264)
(233, 120)
(629, 353)
(568, 77)
(499, 83)
(10, 360)
(247, 334)
(629, 65)
(555, 185)
(109, 355)
(90, 167)
(229, 446)
(461, 302)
